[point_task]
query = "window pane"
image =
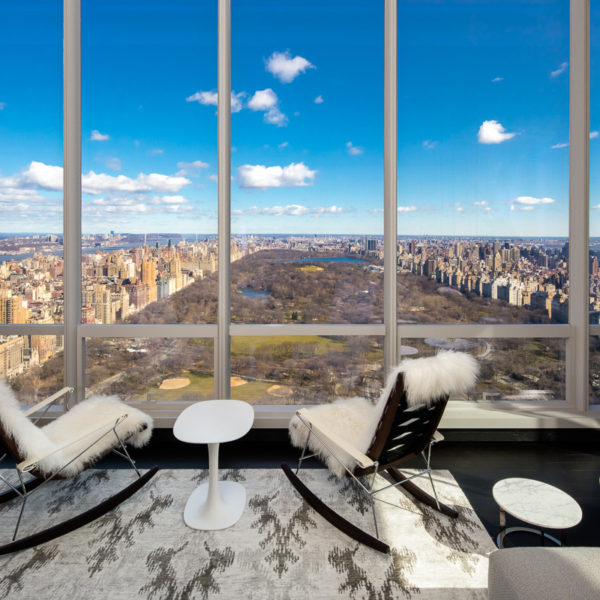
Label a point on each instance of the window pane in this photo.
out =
(32, 365)
(150, 371)
(516, 369)
(483, 116)
(305, 369)
(594, 371)
(31, 264)
(149, 161)
(307, 161)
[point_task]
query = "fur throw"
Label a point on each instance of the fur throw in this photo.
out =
(355, 420)
(32, 441)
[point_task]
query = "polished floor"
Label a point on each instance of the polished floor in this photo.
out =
(573, 467)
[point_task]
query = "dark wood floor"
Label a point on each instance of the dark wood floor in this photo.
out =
(573, 467)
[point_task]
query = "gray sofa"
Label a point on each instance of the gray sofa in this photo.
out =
(544, 574)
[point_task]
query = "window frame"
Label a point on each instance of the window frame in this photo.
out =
(574, 411)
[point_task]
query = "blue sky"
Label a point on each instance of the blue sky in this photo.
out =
(483, 116)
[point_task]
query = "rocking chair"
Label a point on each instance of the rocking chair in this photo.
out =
(64, 448)
(355, 438)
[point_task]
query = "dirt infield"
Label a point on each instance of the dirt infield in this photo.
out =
(174, 384)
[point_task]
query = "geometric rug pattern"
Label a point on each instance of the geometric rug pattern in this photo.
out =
(279, 550)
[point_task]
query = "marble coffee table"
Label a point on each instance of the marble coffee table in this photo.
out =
(216, 504)
(536, 503)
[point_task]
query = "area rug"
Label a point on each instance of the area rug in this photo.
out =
(280, 549)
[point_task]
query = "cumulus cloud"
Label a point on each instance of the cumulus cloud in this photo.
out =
(98, 183)
(260, 177)
(214, 178)
(354, 150)
(407, 209)
(263, 100)
(211, 98)
(480, 203)
(593, 134)
(283, 145)
(285, 68)
(114, 163)
(561, 69)
(319, 99)
(291, 210)
(497, 79)
(156, 151)
(96, 136)
(563, 145)
(191, 169)
(430, 144)
(492, 132)
(459, 209)
(266, 100)
(531, 201)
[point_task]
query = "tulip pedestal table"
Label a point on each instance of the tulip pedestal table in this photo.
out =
(215, 504)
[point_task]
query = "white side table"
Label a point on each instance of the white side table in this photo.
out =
(216, 504)
(538, 504)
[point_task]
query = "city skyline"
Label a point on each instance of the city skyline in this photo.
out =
(307, 122)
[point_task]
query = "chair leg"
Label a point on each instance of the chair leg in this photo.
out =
(421, 495)
(334, 518)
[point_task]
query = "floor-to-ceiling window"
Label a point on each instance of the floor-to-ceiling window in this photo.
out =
(483, 207)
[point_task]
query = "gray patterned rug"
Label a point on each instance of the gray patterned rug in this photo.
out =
(279, 550)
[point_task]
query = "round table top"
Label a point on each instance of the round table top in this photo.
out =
(214, 421)
(537, 503)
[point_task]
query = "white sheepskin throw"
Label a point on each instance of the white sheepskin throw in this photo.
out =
(32, 441)
(355, 420)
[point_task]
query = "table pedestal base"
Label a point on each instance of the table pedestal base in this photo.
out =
(543, 535)
(220, 513)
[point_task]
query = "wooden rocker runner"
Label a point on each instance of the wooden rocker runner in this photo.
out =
(356, 439)
(65, 447)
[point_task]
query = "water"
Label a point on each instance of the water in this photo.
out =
(255, 294)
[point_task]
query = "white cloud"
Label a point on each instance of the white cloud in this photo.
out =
(561, 69)
(266, 100)
(291, 210)
(407, 209)
(354, 150)
(263, 100)
(596, 207)
(319, 99)
(261, 177)
(191, 169)
(286, 68)
(593, 134)
(211, 98)
(214, 178)
(172, 199)
(283, 145)
(156, 151)
(563, 145)
(488, 208)
(275, 117)
(497, 79)
(430, 144)
(99, 137)
(114, 163)
(98, 183)
(531, 201)
(460, 209)
(492, 132)
(480, 203)
(2, 105)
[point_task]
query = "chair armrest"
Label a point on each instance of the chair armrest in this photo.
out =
(107, 426)
(331, 440)
(47, 401)
(437, 437)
